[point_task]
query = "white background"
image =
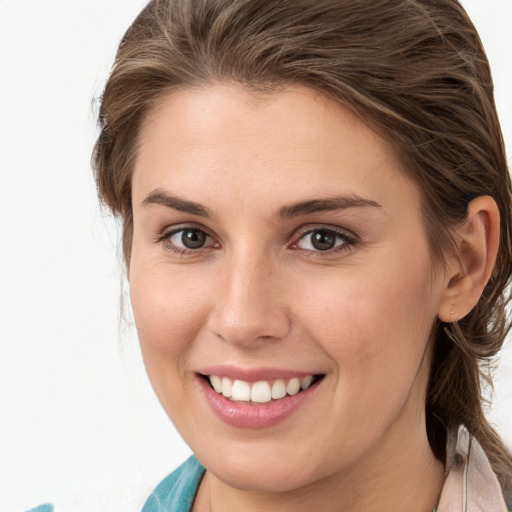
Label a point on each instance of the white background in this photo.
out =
(79, 425)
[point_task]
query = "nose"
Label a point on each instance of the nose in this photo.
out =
(250, 306)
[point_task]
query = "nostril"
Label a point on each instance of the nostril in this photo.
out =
(248, 333)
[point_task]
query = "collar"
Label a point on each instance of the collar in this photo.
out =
(470, 484)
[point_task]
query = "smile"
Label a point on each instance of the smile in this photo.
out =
(260, 392)
(256, 398)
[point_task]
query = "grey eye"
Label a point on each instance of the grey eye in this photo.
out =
(321, 240)
(193, 238)
(189, 238)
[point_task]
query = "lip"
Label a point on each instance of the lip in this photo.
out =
(253, 374)
(255, 416)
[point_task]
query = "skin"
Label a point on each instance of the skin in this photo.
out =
(258, 293)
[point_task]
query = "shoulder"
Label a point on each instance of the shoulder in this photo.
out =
(42, 508)
(177, 491)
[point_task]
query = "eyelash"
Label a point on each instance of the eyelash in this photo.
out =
(165, 239)
(348, 240)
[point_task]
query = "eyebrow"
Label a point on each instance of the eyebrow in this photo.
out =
(322, 205)
(175, 203)
(160, 197)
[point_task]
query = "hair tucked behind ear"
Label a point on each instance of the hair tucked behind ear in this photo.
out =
(413, 70)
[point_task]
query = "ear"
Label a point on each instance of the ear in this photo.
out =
(469, 269)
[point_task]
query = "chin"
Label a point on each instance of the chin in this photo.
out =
(262, 478)
(263, 469)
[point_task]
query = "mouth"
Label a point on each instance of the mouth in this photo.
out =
(262, 391)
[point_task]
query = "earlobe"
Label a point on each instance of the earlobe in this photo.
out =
(469, 270)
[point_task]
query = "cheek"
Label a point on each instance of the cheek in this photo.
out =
(374, 323)
(168, 314)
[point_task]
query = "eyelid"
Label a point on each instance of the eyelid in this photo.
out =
(308, 228)
(167, 230)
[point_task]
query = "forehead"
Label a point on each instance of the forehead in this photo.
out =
(297, 115)
(295, 141)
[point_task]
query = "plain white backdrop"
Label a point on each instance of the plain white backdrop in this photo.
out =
(79, 425)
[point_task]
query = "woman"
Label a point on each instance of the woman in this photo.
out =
(317, 229)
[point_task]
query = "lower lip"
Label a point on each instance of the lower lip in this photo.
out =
(254, 416)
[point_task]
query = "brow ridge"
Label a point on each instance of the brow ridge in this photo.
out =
(160, 197)
(327, 204)
(297, 209)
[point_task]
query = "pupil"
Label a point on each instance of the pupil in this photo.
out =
(323, 240)
(193, 239)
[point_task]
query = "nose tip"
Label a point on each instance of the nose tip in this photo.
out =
(245, 331)
(250, 310)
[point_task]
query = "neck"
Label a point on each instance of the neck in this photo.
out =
(395, 476)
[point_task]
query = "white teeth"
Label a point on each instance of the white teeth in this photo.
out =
(260, 392)
(241, 391)
(227, 387)
(278, 389)
(293, 387)
(306, 382)
(216, 382)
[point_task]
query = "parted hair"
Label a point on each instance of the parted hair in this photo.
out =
(415, 71)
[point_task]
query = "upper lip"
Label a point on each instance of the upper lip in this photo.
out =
(254, 374)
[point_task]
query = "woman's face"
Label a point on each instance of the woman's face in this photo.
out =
(276, 239)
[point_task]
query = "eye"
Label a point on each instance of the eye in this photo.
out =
(187, 239)
(323, 239)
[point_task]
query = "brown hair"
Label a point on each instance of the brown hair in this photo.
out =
(413, 70)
